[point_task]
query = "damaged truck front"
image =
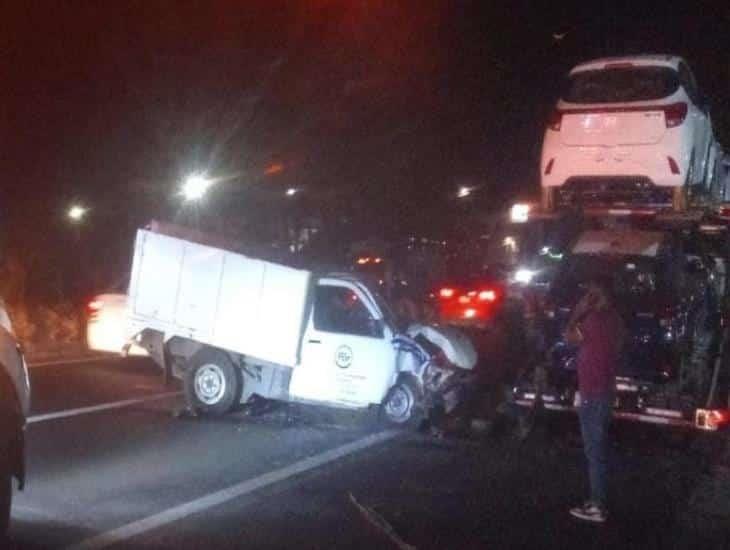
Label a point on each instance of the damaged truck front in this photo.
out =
(234, 327)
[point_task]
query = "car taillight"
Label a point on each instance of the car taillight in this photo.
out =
(488, 295)
(446, 292)
(675, 114)
(712, 419)
(470, 313)
(555, 120)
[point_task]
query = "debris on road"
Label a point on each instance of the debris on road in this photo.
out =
(380, 523)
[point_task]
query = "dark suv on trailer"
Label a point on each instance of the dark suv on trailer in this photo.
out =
(670, 307)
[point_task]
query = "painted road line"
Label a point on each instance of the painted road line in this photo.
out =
(136, 528)
(75, 361)
(102, 407)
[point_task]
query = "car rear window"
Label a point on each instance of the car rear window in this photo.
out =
(621, 85)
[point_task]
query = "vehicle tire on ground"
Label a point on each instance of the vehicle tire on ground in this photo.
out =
(6, 497)
(403, 406)
(213, 384)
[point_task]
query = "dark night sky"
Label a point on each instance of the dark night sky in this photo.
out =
(366, 102)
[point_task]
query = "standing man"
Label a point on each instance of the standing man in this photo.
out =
(596, 327)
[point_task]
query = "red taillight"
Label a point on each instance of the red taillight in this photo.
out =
(549, 167)
(675, 114)
(673, 166)
(712, 419)
(446, 292)
(487, 296)
(555, 120)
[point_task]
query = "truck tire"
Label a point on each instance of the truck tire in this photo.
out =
(403, 406)
(213, 384)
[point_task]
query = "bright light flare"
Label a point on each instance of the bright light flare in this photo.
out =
(464, 191)
(510, 243)
(76, 213)
(363, 261)
(470, 313)
(519, 213)
(292, 191)
(524, 276)
(195, 187)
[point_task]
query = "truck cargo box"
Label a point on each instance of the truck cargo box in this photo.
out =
(217, 297)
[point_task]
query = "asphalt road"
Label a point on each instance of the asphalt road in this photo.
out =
(111, 463)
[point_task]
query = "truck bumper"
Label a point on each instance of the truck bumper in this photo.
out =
(709, 420)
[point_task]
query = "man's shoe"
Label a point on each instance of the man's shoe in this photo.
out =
(589, 512)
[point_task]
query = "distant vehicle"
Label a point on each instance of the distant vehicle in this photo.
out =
(472, 301)
(233, 327)
(666, 288)
(14, 407)
(106, 318)
(630, 129)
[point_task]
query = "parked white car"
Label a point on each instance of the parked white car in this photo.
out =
(106, 324)
(630, 124)
(14, 407)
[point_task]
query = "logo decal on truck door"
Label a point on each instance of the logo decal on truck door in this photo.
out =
(343, 357)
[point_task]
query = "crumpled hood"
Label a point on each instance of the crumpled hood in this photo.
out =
(457, 347)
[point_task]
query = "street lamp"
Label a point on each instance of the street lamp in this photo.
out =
(195, 186)
(76, 213)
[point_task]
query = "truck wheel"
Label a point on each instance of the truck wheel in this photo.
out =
(6, 497)
(403, 406)
(212, 383)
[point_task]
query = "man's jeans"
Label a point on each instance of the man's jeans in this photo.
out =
(595, 416)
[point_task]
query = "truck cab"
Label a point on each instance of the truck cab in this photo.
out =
(347, 357)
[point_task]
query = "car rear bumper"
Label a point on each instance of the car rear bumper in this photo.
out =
(651, 161)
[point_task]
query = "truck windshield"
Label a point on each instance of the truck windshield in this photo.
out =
(621, 85)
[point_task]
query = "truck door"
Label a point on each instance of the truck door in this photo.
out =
(346, 356)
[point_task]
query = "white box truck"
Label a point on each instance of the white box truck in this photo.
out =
(233, 327)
